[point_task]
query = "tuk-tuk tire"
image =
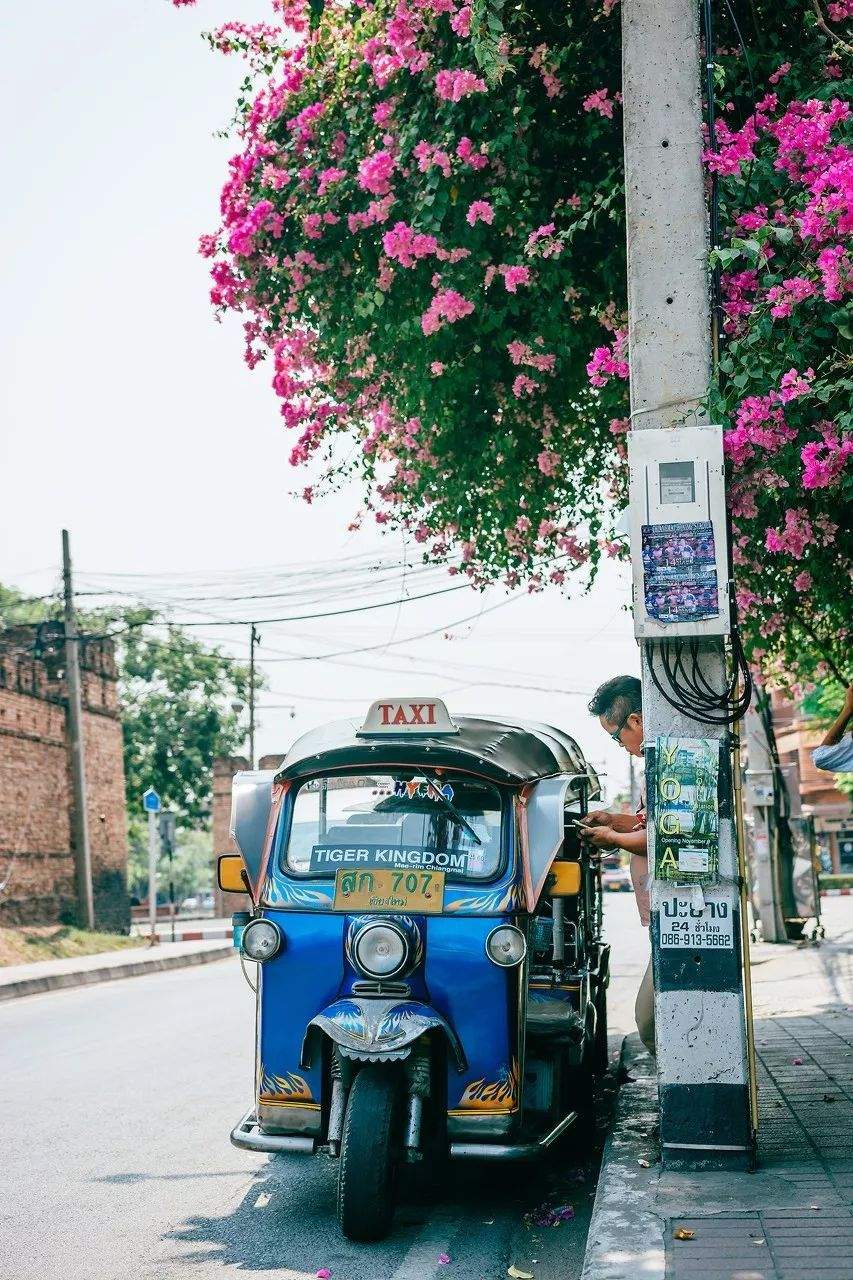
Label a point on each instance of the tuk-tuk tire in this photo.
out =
(369, 1155)
(579, 1095)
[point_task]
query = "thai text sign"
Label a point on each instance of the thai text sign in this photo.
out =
(683, 923)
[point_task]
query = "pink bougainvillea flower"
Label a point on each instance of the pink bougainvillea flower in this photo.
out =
(374, 173)
(466, 153)
(609, 362)
(461, 21)
(523, 386)
(447, 305)
(824, 461)
(601, 102)
(785, 296)
(480, 211)
(795, 384)
(836, 272)
(780, 71)
(406, 246)
(455, 85)
(514, 276)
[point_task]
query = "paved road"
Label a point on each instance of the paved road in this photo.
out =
(115, 1109)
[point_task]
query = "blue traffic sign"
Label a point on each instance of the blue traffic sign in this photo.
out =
(151, 801)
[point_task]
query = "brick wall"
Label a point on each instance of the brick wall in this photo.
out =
(36, 842)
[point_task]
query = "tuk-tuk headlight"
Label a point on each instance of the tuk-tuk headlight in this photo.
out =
(262, 940)
(506, 946)
(381, 950)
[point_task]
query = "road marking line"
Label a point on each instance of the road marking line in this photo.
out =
(421, 1262)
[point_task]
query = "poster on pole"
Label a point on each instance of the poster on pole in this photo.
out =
(680, 571)
(686, 809)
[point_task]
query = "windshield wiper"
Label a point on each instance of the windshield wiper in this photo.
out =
(451, 809)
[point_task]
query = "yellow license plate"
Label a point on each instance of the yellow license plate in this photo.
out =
(384, 890)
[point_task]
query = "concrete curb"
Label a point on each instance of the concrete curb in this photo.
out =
(37, 984)
(626, 1239)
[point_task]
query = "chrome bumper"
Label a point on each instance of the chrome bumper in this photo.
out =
(247, 1134)
(510, 1150)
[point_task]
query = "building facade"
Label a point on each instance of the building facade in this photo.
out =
(37, 877)
(224, 768)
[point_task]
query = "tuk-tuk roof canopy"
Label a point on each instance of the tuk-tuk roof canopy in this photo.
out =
(515, 751)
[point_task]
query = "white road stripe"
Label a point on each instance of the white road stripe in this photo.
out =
(421, 1262)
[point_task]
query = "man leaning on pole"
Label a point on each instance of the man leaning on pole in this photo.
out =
(618, 705)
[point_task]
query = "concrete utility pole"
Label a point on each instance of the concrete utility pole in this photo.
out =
(760, 799)
(82, 851)
(699, 996)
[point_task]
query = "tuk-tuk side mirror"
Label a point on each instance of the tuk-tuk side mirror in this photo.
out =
(230, 871)
(251, 804)
(564, 880)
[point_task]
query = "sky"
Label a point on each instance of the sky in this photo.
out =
(130, 419)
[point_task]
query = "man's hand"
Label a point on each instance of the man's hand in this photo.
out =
(601, 818)
(600, 837)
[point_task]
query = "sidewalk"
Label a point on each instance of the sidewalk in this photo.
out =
(790, 1220)
(51, 975)
(187, 929)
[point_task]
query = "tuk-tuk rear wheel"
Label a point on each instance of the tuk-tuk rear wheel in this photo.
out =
(370, 1141)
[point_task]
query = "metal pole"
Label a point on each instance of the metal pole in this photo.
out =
(253, 640)
(699, 1011)
(760, 802)
(82, 850)
(153, 851)
(172, 891)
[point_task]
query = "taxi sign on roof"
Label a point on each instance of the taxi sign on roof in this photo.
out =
(426, 716)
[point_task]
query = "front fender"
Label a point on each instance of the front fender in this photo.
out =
(378, 1029)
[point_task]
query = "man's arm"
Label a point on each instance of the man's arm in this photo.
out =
(613, 821)
(609, 838)
(836, 731)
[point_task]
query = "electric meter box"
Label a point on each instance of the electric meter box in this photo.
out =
(679, 547)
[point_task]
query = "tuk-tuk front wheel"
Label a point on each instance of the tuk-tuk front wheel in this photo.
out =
(370, 1152)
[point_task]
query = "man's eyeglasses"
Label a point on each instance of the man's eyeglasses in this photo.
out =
(617, 736)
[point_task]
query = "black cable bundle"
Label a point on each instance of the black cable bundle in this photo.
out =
(688, 690)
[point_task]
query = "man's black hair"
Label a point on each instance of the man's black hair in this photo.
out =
(617, 698)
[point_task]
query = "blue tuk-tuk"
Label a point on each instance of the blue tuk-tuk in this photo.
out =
(431, 974)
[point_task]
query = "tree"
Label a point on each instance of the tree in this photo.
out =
(190, 871)
(423, 232)
(176, 697)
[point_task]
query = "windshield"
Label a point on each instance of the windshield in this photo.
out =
(404, 819)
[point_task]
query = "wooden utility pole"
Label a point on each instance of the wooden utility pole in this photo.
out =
(82, 851)
(699, 994)
(254, 640)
